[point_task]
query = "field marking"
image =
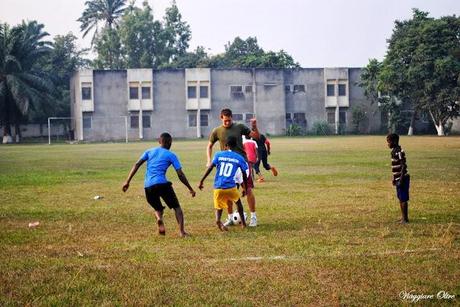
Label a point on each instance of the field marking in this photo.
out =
(336, 255)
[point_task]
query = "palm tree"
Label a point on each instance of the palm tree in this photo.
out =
(22, 85)
(97, 11)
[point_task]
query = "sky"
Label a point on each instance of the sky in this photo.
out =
(333, 33)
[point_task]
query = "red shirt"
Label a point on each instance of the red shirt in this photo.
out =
(250, 147)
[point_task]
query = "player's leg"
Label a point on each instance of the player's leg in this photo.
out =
(229, 221)
(241, 212)
(220, 203)
(169, 196)
(153, 198)
(268, 166)
(251, 202)
(402, 192)
(260, 178)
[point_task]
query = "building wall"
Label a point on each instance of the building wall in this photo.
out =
(247, 92)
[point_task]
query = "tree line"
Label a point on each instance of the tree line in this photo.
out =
(421, 70)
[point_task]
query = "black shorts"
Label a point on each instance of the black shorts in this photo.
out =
(166, 192)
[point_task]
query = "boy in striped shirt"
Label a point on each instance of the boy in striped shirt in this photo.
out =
(401, 178)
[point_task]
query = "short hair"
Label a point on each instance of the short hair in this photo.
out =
(393, 138)
(165, 136)
(231, 141)
(226, 112)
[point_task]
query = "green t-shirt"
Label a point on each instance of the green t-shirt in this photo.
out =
(237, 130)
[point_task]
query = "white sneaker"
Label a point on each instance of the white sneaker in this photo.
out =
(228, 222)
(253, 221)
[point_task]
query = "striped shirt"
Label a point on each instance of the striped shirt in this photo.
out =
(398, 164)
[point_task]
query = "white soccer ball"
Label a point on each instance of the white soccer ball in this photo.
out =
(237, 219)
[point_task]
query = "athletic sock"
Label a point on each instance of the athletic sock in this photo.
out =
(253, 214)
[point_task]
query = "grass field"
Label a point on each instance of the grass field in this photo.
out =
(327, 235)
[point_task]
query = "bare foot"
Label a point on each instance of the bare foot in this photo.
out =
(221, 226)
(161, 228)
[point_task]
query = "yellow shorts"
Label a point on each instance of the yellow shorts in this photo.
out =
(222, 196)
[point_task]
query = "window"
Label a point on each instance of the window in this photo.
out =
(237, 117)
(287, 88)
(204, 91)
(331, 118)
(342, 117)
(203, 120)
(86, 122)
(192, 120)
(191, 91)
(288, 116)
(248, 89)
(133, 92)
(249, 116)
(86, 91)
(299, 88)
(146, 92)
(299, 118)
(146, 121)
(134, 121)
(236, 90)
(330, 90)
(342, 90)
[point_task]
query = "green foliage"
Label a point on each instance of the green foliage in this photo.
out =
(247, 54)
(358, 115)
(109, 52)
(107, 12)
(321, 128)
(176, 35)
(22, 84)
(294, 130)
(140, 38)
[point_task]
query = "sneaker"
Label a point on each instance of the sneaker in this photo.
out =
(274, 171)
(253, 221)
(228, 222)
(261, 179)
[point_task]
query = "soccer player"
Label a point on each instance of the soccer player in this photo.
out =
(401, 178)
(157, 186)
(221, 134)
(250, 148)
(227, 163)
(263, 148)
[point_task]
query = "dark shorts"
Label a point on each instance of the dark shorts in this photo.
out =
(166, 192)
(402, 191)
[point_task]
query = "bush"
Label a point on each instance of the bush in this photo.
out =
(321, 128)
(294, 130)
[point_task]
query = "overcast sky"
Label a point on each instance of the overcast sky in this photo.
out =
(316, 33)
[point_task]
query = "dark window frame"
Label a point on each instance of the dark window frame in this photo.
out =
(133, 93)
(342, 90)
(86, 93)
(206, 88)
(191, 92)
(330, 90)
(143, 92)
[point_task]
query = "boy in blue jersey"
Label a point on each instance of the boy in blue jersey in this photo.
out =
(227, 163)
(156, 185)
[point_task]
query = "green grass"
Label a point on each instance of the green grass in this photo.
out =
(327, 233)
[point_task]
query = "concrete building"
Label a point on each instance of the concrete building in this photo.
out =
(141, 103)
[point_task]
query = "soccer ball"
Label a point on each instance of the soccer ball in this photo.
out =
(237, 219)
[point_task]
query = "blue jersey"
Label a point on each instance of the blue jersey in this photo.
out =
(227, 163)
(158, 160)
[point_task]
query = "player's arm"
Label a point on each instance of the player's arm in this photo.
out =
(184, 180)
(131, 174)
(209, 154)
(267, 144)
(208, 171)
(254, 130)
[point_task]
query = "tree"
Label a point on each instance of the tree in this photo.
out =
(420, 67)
(140, 37)
(100, 11)
(198, 58)
(358, 115)
(247, 54)
(109, 50)
(176, 35)
(22, 85)
(59, 64)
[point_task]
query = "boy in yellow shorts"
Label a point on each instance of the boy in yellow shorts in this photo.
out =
(227, 163)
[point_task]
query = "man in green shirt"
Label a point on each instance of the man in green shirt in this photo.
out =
(237, 130)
